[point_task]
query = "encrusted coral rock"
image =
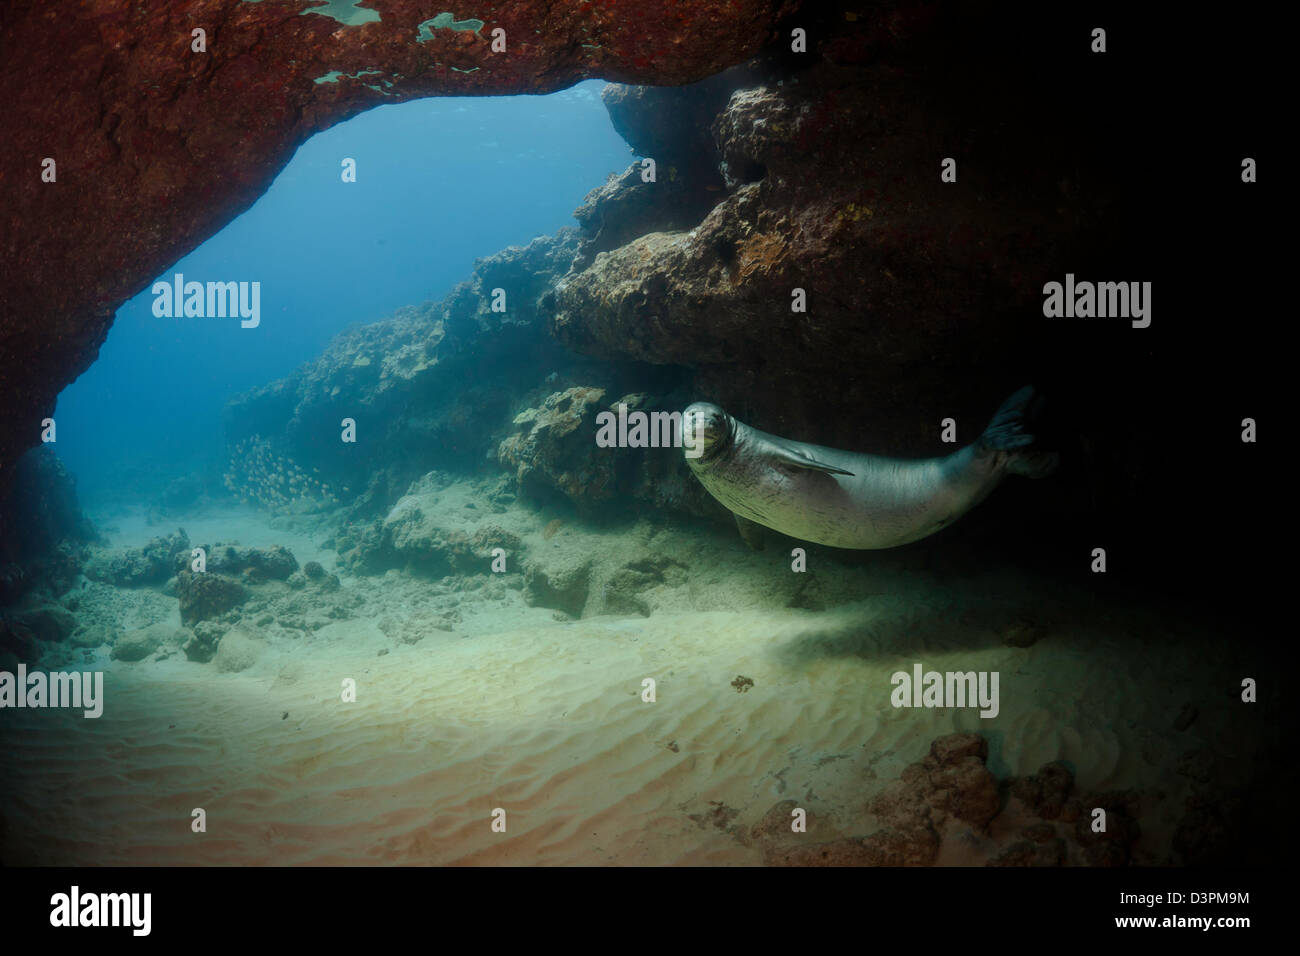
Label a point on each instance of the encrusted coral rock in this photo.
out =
(1031, 853)
(416, 534)
(202, 642)
(917, 846)
(206, 595)
(49, 622)
(949, 787)
(1046, 792)
(430, 383)
(561, 583)
(41, 503)
(966, 790)
(239, 650)
(136, 645)
(628, 589)
(136, 567)
(555, 447)
(822, 194)
(95, 635)
(949, 749)
(1114, 845)
(951, 781)
(276, 562)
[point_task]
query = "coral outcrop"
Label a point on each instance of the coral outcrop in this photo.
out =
(254, 565)
(136, 645)
(207, 595)
(950, 802)
(555, 447)
(46, 622)
(135, 567)
(554, 450)
(428, 388)
(416, 535)
(824, 250)
(810, 265)
(43, 544)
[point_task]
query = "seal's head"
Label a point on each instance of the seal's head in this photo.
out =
(707, 431)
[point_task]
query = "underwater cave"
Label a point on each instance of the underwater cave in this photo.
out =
(310, 464)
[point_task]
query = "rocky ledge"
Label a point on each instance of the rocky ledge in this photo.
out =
(163, 122)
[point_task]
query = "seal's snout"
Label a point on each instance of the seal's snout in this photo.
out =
(705, 429)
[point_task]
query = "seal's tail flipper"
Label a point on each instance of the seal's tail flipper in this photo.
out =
(1009, 435)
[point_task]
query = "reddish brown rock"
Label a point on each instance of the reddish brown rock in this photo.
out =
(1026, 853)
(951, 748)
(967, 791)
(830, 187)
(951, 781)
(1046, 792)
(1113, 846)
(912, 847)
(157, 146)
(921, 817)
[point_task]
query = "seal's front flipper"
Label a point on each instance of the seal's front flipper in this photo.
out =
(751, 531)
(797, 459)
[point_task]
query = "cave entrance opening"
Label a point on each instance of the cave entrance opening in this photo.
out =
(386, 210)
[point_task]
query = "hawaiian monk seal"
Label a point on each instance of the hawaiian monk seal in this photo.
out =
(846, 499)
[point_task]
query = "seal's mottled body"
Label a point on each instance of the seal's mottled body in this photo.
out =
(848, 499)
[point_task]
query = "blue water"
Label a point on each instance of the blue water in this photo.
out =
(440, 182)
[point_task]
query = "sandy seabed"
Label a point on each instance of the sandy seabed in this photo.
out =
(545, 720)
